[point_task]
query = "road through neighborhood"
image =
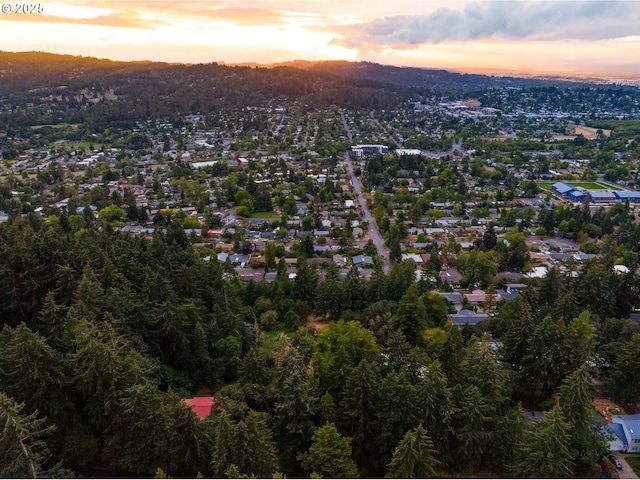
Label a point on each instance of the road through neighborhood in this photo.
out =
(374, 233)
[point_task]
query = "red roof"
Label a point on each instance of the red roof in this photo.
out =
(201, 406)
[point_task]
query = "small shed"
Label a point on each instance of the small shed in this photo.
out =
(201, 406)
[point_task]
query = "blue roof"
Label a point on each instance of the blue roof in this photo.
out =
(605, 194)
(617, 430)
(576, 194)
(631, 422)
(93, 208)
(562, 188)
(627, 195)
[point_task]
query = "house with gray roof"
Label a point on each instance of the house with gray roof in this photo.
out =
(464, 317)
(451, 276)
(339, 260)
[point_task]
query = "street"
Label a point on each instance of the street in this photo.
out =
(374, 233)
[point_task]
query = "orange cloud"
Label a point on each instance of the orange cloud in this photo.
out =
(121, 20)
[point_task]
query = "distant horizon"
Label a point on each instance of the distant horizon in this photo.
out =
(568, 38)
(487, 71)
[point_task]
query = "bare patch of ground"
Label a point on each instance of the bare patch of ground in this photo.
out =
(317, 322)
(590, 133)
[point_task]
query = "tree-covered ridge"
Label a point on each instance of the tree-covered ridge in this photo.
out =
(105, 333)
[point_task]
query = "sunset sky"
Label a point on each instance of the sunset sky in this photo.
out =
(566, 37)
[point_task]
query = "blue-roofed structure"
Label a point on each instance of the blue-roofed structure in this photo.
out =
(576, 195)
(627, 196)
(561, 188)
(604, 196)
(617, 439)
(630, 425)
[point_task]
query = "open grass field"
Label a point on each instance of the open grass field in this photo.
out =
(72, 145)
(585, 185)
(270, 215)
(590, 133)
(56, 126)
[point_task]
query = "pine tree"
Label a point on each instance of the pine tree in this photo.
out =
(587, 443)
(624, 377)
(489, 239)
(412, 316)
(22, 448)
(414, 457)
(255, 450)
(545, 360)
(580, 341)
(224, 454)
(544, 453)
(294, 411)
(329, 455)
(31, 371)
(509, 430)
(360, 407)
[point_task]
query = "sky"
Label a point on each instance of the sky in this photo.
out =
(564, 37)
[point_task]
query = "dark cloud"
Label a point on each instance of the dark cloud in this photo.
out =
(504, 20)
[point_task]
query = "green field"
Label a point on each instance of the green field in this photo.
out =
(634, 462)
(585, 185)
(56, 126)
(271, 215)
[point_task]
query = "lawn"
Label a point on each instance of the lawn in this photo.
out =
(271, 215)
(634, 462)
(585, 185)
(56, 126)
(73, 145)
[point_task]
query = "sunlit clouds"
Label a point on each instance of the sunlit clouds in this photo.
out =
(568, 36)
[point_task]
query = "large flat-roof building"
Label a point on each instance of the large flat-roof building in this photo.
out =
(562, 189)
(604, 196)
(360, 151)
(628, 196)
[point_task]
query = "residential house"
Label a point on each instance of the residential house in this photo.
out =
(515, 287)
(464, 317)
(339, 260)
(454, 297)
(412, 256)
(241, 259)
(362, 260)
(451, 276)
(625, 430)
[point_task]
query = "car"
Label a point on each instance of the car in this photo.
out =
(615, 461)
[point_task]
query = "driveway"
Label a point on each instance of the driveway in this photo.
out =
(627, 471)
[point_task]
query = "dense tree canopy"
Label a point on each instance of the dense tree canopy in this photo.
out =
(103, 335)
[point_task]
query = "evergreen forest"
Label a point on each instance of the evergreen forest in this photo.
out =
(104, 334)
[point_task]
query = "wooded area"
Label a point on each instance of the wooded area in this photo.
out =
(105, 333)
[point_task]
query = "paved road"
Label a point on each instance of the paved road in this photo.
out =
(374, 233)
(627, 471)
(346, 126)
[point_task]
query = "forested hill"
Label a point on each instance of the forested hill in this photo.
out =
(426, 77)
(30, 76)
